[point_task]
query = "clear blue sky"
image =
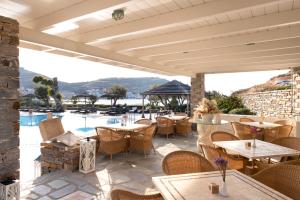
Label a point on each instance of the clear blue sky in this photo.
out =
(75, 70)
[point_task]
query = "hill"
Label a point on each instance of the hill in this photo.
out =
(279, 82)
(97, 87)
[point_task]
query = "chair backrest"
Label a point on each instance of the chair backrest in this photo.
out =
(164, 121)
(282, 178)
(246, 119)
(51, 128)
(184, 121)
(182, 162)
(118, 194)
(107, 134)
(285, 130)
(289, 142)
(271, 134)
(143, 121)
(149, 131)
(211, 153)
(222, 136)
(283, 122)
(242, 131)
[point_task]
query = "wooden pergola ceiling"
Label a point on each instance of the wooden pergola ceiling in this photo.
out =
(174, 37)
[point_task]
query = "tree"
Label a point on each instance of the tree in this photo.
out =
(74, 100)
(93, 100)
(116, 92)
(154, 99)
(42, 94)
(52, 90)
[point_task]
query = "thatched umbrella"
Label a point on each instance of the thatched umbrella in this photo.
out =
(172, 88)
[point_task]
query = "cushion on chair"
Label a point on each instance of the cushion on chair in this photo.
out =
(68, 139)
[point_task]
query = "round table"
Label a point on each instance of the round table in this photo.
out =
(206, 128)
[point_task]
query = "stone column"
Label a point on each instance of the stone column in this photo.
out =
(9, 98)
(197, 89)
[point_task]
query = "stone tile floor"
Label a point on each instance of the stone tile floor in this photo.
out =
(131, 171)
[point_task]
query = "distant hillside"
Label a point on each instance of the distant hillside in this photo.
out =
(279, 82)
(134, 85)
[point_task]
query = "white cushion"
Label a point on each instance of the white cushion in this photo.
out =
(68, 139)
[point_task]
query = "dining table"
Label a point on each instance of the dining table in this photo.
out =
(175, 117)
(195, 186)
(262, 150)
(261, 125)
(127, 127)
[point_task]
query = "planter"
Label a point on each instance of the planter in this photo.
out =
(207, 118)
(10, 190)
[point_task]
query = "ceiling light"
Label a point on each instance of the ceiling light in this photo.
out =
(185, 52)
(118, 14)
(251, 43)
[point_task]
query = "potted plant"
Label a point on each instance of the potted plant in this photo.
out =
(9, 189)
(206, 109)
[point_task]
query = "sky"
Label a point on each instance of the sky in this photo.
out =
(72, 70)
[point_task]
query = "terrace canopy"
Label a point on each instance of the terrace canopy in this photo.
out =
(173, 37)
(170, 89)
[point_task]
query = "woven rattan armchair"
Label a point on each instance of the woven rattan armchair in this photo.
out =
(242, 131)
(111, 141)
(165, 126)
(183, 162)
(271, 134)
(143, 121)
(260, 165)
(142, 140)
(126, 195)
(283, 122)
(212, 154)
(222, 136)
(246, 119)
(285, 130)
(51, 128)
(282, 178)
(183, 127)
(289, 142)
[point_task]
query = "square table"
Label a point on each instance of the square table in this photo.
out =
(263, 125)
(195, 187)
(127, 127)
(262, 149)
(175, 117)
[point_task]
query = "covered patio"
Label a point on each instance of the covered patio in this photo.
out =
(171, 37)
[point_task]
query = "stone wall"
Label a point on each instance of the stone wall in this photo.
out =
(9, 98)
(277, 103)
(197, 89)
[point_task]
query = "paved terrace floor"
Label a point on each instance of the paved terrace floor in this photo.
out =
(131, 171)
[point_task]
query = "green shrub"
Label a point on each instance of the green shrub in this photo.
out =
(228, 103)
(242, 111)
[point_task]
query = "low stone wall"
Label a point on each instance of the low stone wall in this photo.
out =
(9, 98)
(277, 103)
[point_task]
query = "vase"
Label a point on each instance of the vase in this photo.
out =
(254, 143)
(207, 118)
(223, 189)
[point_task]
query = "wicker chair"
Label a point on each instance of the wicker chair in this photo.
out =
(242, 131)
(183, 162)
(111, 141)
(246, 119)
(283, 122)
(51, 128)
(183, 127)
(289, 142)
(282, 178)
(271, 134)
(143, 121)
(126, 195)
(212, 153)
(142, 140)
(165, 126)
(285, 130)
(222, 136)
(261, 165)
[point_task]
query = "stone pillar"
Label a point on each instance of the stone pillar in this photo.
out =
(197, 89)
(296, 89)
(9, 98)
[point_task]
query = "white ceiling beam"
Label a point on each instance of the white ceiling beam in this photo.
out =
(44, 39)
(254, 23)
(237, 57)
(171, 18)
(263, 46)
(261, 36)
(248, 68)
(72, 13)
(230, 62)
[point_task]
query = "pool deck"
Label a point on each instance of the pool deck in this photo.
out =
(130, 171)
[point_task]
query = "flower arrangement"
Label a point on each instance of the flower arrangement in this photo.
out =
(222, 166)
(206, 106)
(255, 131)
